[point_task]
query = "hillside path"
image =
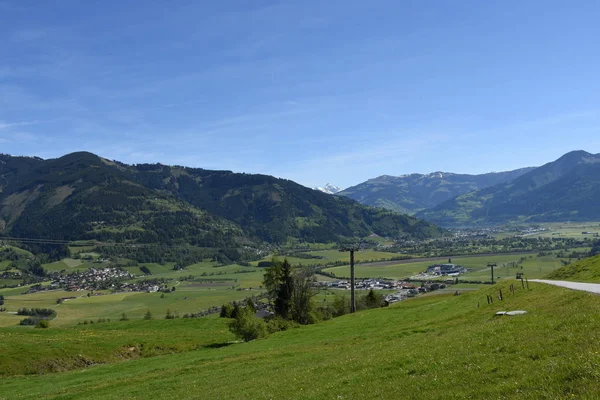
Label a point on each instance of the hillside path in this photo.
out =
(586, 287)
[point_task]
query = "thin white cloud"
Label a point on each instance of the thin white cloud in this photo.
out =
(10, 125)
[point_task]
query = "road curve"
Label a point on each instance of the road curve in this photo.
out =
(586, 287)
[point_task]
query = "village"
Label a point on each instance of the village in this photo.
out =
(432, 279)
(102, 279)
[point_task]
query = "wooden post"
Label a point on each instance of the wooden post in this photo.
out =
(527, 283)
(499, 294)
(522, 283)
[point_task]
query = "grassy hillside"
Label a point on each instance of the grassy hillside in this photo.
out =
(438, 347)
(34, 351)
(587, 270)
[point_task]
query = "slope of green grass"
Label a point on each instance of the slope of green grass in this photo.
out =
(587, 270)
(33, 351)
(443, 347)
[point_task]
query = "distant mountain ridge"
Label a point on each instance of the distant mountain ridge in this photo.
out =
(412, 193)
(83, 196)
(567, 189)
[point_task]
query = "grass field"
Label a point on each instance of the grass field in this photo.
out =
(587, 270)
(335, 255)
(442, 347)
(212, 286)
(34, 351)
(572, 230)
(533, 267)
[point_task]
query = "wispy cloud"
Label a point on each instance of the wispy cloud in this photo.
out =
(10, 125)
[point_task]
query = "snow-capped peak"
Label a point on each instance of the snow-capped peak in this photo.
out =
(329, 189)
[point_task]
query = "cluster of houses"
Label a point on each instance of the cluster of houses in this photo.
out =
(91, 279)
(14, 274)
(403, 289)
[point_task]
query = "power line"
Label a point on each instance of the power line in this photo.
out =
(94, 243)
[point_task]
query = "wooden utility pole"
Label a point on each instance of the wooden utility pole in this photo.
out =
(351, 249)
(492, 265)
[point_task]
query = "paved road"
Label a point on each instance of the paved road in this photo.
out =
(586, 287)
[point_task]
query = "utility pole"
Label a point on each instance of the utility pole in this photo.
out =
(351, 249)
(492, 265)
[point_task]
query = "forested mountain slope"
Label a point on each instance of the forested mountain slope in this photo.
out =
(83, 196)
(567, 189)
(415, 192)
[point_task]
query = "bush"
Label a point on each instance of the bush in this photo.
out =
(29, 321)
(247, 327)
(43, 324)
(278, 324)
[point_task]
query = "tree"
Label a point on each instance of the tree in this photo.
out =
(302, 295)
(279, 281)
(124, 317)
(595, 248)
(340, 305)
(226, 311)
(250, 305)
(145, 270)
(169, 315)
(235, 311)
(1, 299)
(148, 315)
(373, 300)
(290, 291)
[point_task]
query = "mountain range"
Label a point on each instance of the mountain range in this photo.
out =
(329, 189)
(567, 189)
(83, 196)
(412, 193)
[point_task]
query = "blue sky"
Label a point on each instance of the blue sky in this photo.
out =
(313, 91)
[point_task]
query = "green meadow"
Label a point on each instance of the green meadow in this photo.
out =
(440, 347)
(587, 270)
(35, 351)
(534, 266)
(329, 256)
(211, 286)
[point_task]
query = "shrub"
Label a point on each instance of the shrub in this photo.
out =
(29, 321)
(278, 324)
(43, 324)
(247, 327)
